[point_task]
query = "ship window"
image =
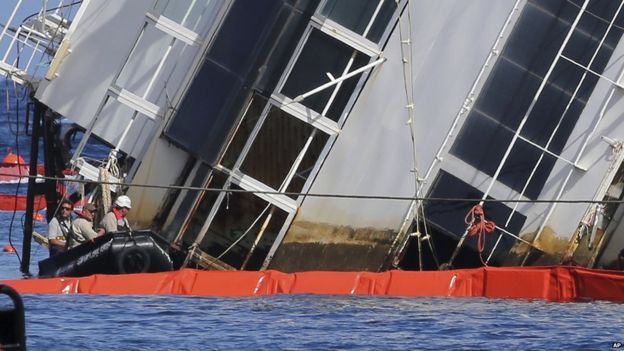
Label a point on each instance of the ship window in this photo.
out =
(242, 213)
(517, 170)
(200, 215)
(307, 163)
(276, 147)
(514, 82)
(368, 18)
(243, 131)
(187, 199)
(192, 14)
(321, 55)
(448, 216)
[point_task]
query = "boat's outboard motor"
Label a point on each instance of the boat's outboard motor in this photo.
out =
(12, 324)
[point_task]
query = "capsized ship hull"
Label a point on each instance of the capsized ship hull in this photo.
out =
(329, 135)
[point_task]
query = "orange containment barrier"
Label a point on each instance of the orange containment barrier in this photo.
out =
(558, 283)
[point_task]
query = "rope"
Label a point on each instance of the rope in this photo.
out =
(111, 169)
(105, 186)
(479, 226)
(419, 214)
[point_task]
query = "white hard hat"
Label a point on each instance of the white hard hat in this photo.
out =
(123, 201)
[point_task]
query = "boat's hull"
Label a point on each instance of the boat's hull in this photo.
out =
(12, 173)
(115, 253)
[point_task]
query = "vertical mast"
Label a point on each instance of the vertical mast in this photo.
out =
(30, 196)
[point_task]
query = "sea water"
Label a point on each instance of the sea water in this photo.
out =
(285, 322)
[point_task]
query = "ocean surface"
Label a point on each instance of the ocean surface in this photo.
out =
(284, 322)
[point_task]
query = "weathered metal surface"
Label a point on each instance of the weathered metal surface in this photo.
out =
(548, 249)
(314, 246)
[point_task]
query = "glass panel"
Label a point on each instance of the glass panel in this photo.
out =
(567, 123)
(321, 55)
(356, 15)
(276, 222)
(243, 131)
(207, 200)
(520, 163)
(201, 123)
(590, 29)
(307, 163)
(507, 93)
(188, 199)
(552, 103)
(241, 213)
(536, 38)
(448, 216)
(482, 143)
(276, 147)
(514, 81)
(192, 14)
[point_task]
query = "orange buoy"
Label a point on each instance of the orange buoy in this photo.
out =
(9, 248)
(13, 159)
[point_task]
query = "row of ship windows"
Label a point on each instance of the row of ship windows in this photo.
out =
(487, 132)
(514, 82)
(279, 149)
(509, 92)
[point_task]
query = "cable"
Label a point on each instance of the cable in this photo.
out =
(50, 10)
(343, 196)
(19, 259)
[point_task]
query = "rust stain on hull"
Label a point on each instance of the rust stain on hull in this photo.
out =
(319, 246)
(548, 249)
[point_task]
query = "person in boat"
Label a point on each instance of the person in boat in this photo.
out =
(115, 220)
(59, 227)
(82, 227)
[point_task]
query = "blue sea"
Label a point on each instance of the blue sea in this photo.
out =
(285, 322)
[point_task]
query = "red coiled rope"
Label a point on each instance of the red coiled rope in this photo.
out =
(475, 218)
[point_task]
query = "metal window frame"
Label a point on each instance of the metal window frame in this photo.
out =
(400, 4)
(442, 153)
(494, 178)
(140, 104)
(283, 202)
(174, 29)
(305, 114)
(296, 110)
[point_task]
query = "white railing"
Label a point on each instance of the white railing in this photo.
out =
(30, 33)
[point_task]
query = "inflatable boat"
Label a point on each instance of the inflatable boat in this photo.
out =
(113, 253)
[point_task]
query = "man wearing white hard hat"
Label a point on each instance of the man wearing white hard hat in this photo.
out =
(115, 220)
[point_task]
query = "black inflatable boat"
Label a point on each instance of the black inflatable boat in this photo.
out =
(114, 253)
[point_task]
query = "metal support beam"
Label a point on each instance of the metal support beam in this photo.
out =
(30, 195)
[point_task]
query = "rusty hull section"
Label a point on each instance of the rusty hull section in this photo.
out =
(319, 246)
(548, 249)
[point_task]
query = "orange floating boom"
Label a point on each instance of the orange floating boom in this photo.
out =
(559, 283)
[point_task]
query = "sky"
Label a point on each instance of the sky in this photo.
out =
(26, 9)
